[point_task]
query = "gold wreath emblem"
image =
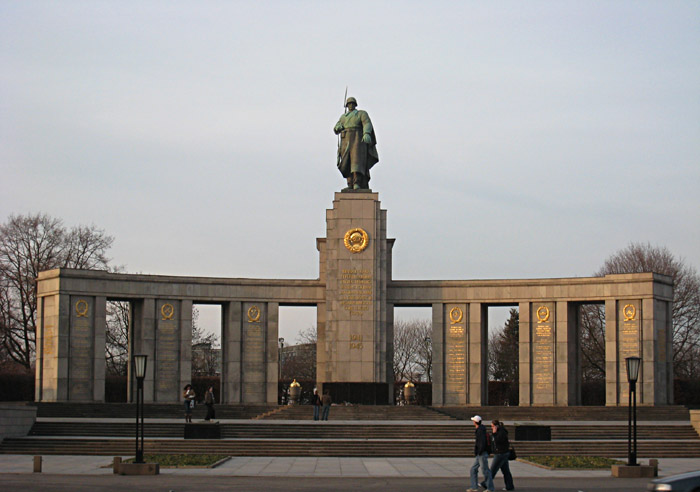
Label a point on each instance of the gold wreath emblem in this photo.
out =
(456, 315)
(542, 314)
(81, 308)
(167, 310)
(629, 312)
(356, 240)
(254, 314)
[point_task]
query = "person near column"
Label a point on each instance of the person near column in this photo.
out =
(209, 402)
(316, 402)
(501, 452)
(481, 457)
(326, 400)
(188, 395)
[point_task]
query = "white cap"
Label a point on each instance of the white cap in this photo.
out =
(476, 418)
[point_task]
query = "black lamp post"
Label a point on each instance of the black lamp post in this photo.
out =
(140, 371)
(632, 376)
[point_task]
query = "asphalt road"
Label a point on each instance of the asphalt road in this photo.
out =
(181, 483)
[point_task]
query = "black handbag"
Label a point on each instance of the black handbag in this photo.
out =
(511, 454)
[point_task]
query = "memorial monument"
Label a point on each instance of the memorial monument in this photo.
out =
(355, 297)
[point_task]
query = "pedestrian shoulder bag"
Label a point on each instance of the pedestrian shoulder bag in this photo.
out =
(511, 454)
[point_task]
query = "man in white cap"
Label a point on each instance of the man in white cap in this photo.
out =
(481, 453)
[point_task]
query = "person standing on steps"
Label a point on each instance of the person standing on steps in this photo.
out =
(316, 402)
(326, 400)
(481, 453)
(188, 395)
(209, 402)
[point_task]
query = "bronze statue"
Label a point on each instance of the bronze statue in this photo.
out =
(357, 151)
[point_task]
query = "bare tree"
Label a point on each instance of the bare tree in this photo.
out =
(30, 244)
(309, 335)
(412, 349)
(206, 351)
(639, 258)
(117, 337)
(592, 341)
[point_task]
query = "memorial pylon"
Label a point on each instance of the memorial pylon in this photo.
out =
(355, 329)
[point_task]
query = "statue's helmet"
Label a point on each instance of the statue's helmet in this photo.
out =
(350, 100)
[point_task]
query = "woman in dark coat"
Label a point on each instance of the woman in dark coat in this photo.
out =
(501, 452)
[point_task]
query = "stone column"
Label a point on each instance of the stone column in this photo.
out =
(543, 319)
(80, 339)
(53, 345)
(353, 346)
(100, 364)
(167, 363)
(639, 328)
(253, 353)
(231, 352)
(477, 350)
(272, 356)
(185, 346)
(438, 342)
(524, 356)
(143, 341)
(453, 336)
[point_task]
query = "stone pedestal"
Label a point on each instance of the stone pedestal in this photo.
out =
(139, 469)
(639, 471)
(355, 333)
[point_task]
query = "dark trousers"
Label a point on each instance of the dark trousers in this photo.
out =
(500, 461)
(211, 414)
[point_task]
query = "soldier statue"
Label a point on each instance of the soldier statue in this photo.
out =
(357, 151)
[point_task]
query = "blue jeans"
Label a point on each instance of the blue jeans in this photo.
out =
(326, 410)
(483, 460)
(316, 407)
(501, 461)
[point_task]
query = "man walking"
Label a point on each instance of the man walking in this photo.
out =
(481, 453)
(316, 402)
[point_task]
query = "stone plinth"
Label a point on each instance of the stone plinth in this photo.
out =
(355, 333)
(139, 469)
(639, 471)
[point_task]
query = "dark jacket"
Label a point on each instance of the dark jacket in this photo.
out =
(501, 444)
(480, 445)
(316, 400)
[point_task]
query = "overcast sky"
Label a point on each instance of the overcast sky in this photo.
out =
(516, 139)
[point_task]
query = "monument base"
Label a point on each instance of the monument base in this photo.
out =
(207, 430)
(359, 393)
(139, 469)
(639, 471)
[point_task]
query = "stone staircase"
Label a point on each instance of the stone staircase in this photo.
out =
(356, 431)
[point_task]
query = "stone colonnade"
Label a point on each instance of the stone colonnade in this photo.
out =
(355, 296)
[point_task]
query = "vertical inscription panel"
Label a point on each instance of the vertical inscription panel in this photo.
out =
(542, 325)
(629, 341)
(253, 353)
(167, 363)
(81, 340)
(455, 343)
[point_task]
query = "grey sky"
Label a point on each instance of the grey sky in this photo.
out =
(516, 139)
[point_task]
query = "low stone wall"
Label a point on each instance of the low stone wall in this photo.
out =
(695, 420)
(16, 419)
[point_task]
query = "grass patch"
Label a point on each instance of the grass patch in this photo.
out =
(182, 460)
(573, 462)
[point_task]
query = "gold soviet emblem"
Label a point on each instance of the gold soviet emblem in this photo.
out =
(456, 315)
(167, 310)
(356, 240)
(254, 314)
(629, 312)
(542, 314)
(81, 308)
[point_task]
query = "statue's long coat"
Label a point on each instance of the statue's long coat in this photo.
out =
(355, 156)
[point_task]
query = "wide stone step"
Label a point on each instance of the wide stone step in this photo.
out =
(340, 431)
(368, 448)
